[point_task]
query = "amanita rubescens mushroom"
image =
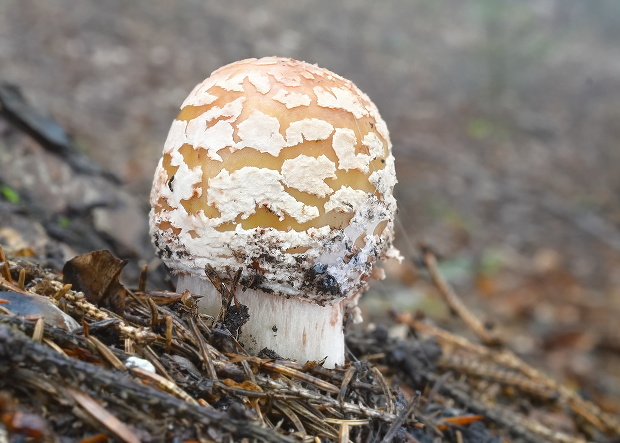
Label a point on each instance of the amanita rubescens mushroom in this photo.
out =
(284, 170)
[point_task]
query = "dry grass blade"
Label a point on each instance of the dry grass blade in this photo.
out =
(21, 281)
(285, 370)
(391, 408)
(313, 421)
(288, 412)
(144, 271)
(54, 346)
(9, 286)
(105, 352)
(202, 345)
(150, 355)
(37, 335)
(163, 384)
(154, 311)
(343, 433)
(348, 376)
(99, 413)
(5, 267)
(342, 421)
(61, 293)
(168, 333)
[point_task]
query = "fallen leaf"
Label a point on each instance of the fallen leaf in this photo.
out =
(96, 274)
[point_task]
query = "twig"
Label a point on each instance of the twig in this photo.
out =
(453, 300)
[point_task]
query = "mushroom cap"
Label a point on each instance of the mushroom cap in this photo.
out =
(282, 169)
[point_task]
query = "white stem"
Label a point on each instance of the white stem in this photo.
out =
(295, 329)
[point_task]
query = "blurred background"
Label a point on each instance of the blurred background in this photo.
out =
(504, 116)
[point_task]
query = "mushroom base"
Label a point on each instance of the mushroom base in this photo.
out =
(295, 329)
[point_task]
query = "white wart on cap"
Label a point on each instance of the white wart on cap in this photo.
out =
(284, 170)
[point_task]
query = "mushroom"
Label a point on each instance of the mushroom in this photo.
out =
(284, 170)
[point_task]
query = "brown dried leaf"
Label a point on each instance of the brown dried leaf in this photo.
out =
(96, 274)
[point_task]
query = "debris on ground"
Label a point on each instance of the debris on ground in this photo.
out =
(153, 369)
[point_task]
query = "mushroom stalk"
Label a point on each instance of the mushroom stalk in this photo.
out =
(296, 329)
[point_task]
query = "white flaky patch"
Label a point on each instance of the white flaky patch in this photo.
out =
(310, 129)
(308, 174)
(344, 142)
(292, 99)
(312, 71)
(199, 95)
(340, 98)
(261, 82)
(287, 78)
(230, 111)
(199, 132)
(216, 137)
(176, 137)
(380, 125)
(384, 179)
(261, 132)
(242, 191)
(186, 182)
(232, 82)
(374, 145)
(346, 199)
(265, 61)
